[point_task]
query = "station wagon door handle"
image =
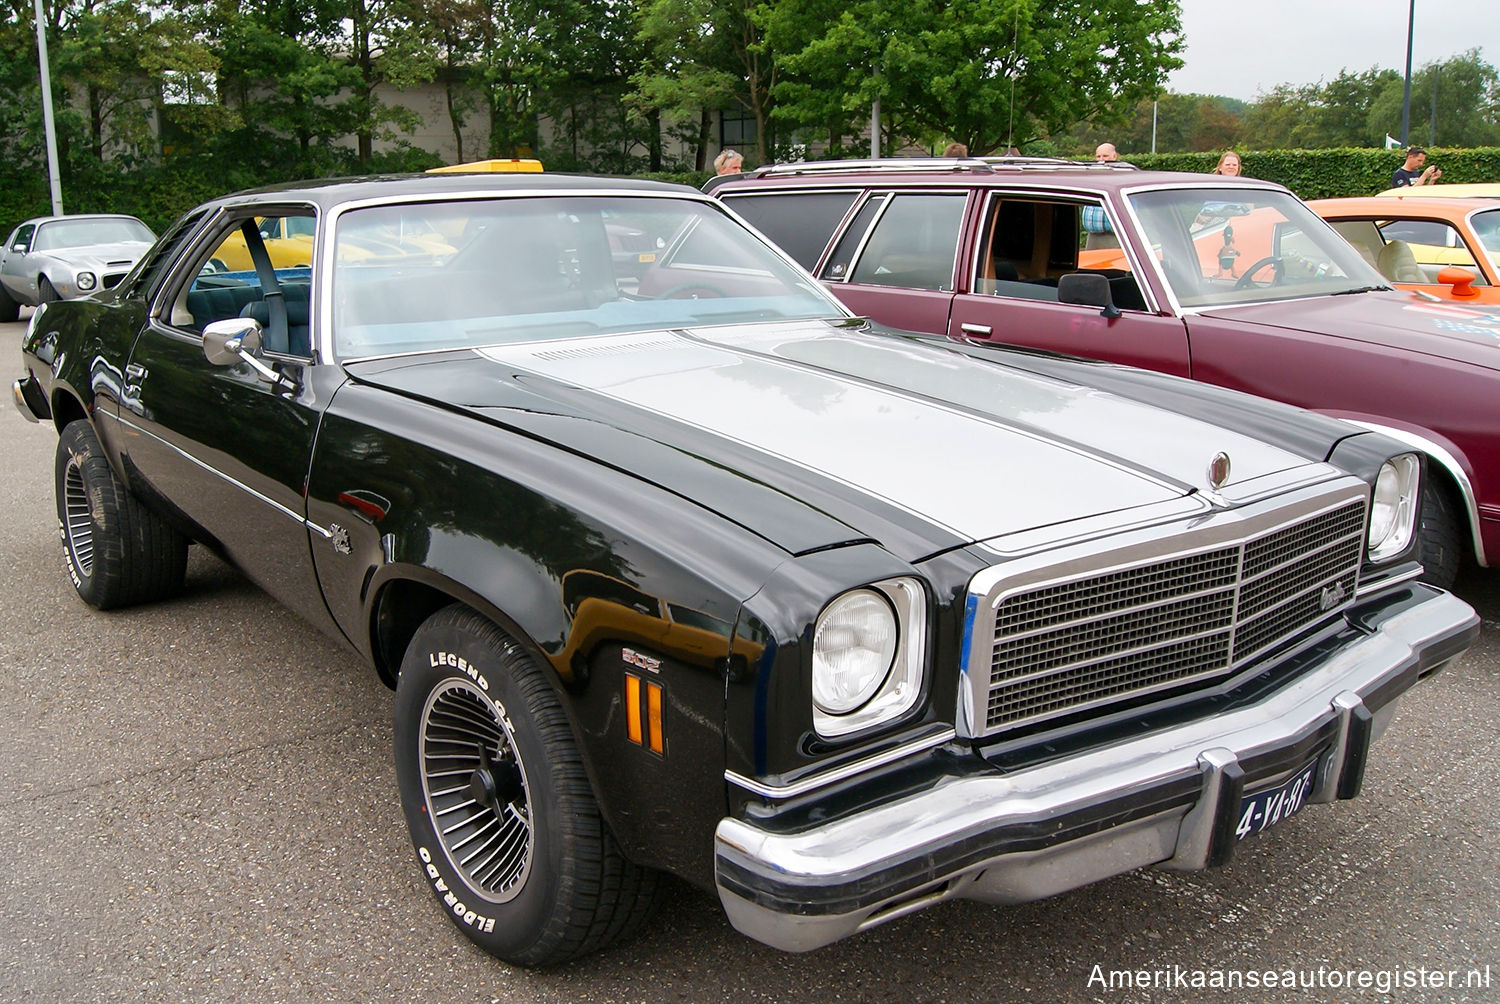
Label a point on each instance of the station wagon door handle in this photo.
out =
(978, 330)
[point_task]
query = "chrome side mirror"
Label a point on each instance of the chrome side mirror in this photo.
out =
(237, 340)
(231, 340)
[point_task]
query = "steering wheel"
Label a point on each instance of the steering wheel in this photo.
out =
(675, 292)
(1278, 267)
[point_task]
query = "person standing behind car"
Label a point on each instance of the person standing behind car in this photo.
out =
(1104, 153)
(1411, 174)
(1229, 165)
(729, 162)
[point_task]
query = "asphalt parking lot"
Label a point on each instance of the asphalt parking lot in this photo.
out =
(197, 803)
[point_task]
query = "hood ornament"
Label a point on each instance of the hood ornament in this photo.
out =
(1218, 471)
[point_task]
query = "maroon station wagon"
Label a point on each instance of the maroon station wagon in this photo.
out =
(1230, 281)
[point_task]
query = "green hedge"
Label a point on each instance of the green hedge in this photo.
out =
(1327, 174)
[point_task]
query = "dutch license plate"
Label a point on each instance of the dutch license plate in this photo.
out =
(1267, 808)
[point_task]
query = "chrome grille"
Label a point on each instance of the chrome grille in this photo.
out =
(1098, 638)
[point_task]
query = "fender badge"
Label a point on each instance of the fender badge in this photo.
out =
(340, 538)
(1218, 471)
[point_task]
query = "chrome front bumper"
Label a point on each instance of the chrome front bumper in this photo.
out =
(28, 397)
(1169, 797)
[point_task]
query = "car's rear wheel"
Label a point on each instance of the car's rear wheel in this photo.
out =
(118, 552)
(10, 310)
(505, 826)
(45, 291)
(1442, 533)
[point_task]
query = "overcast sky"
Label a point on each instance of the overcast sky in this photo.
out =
(1242, 48)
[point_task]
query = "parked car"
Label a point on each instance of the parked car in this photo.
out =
(1229, 281)
(1472, 190)
(1449, 248)
(691, 571)
(61, 257)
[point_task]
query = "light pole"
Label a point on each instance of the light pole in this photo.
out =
(1411, 23)
(52, 174)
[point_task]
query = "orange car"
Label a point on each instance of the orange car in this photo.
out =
(1449, 247)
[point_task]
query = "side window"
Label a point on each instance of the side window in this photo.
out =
(20, 241)
(854, 236)
(801, 223)
(148, 271)
(914, 244)
(1434, 246)
(1028, 244)
(226, 283)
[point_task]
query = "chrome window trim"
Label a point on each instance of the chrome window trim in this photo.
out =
(965, 192)
(1080, 198)
(842, 773)
(289, 513)
(989, 587)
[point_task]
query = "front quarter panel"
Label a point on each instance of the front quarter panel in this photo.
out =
(601, 576)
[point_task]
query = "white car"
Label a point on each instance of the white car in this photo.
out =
(62, 257)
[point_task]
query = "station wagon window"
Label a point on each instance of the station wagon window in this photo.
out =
(801, 224)
(461, 272)
(1027, 244)
(854, 236)
(914, 244)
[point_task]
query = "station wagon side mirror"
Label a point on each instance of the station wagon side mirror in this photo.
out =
(237, 340)
(1088, 289)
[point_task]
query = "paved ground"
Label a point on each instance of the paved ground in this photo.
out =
(197, 804)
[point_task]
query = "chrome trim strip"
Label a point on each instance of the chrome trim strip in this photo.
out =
(1376, 584)
(292, 514)
(843, 773)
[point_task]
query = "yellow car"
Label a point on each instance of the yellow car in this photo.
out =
(1481, 190)
(289, 243)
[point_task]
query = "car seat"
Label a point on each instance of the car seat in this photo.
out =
(1398, 264)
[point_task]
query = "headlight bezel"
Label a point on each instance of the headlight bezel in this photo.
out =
(86, 281)
(900, 686)
(1394, 507)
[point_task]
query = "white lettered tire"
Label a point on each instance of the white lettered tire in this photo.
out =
(506, 830)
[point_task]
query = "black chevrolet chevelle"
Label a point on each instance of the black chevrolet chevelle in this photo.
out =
(677, 567)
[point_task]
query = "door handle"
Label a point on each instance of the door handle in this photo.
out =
(978, 330)
(135, 371)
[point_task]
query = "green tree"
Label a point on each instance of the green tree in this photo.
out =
(1468, 103)
(988, 73)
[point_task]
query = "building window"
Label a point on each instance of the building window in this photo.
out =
(736, 129)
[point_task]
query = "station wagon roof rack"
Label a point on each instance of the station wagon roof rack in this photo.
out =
(971, 165)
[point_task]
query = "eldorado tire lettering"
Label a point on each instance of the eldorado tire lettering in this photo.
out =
(459, 908)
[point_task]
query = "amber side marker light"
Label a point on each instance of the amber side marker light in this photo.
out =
(643, 717)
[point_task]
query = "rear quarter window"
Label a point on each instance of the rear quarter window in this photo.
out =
(800, 223)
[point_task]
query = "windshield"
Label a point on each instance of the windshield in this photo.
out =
(1235, 245)
(82, 233)
(442, 275)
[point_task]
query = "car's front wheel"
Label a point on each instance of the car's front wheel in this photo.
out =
(45, 291)
(118, 552)
(506, 830)
(1442, 543)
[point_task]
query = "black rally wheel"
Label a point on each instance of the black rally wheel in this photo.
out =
(117, 551)
(507, 833)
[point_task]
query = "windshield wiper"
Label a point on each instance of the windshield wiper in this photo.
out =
(1360, 289)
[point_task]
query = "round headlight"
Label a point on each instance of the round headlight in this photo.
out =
(86, 280)
(854, 646)
(1393, 507)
